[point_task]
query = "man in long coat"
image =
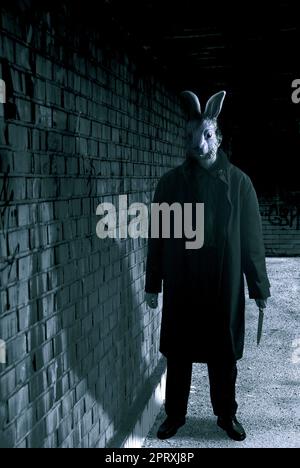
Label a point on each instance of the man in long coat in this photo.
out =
(203, 289)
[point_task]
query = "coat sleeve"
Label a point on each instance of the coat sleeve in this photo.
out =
(252, 244)
(153, 282)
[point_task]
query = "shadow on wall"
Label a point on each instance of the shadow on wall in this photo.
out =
(105, 341)
(91, 344)
(89, 354)
(103, 332)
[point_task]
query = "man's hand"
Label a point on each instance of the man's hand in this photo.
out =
(151, 300)
(261, 303)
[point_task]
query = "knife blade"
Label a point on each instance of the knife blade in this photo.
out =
(260, 325)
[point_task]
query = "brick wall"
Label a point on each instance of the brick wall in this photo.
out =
(78, 129)
(281, 224)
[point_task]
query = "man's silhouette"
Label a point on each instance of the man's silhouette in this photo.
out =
(203, 290)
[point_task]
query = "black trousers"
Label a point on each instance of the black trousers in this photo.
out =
(222, 379)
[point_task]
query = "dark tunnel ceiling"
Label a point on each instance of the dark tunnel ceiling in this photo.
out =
(250, 49)
(193, 41)
(245, 47)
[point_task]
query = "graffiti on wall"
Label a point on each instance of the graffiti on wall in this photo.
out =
(6, 197)
(285, 214)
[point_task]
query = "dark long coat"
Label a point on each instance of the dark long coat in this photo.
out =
(203, 316)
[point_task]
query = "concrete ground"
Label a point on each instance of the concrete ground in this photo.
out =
(268, 387)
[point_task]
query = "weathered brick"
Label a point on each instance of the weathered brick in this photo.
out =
(25, 110)
(78, 411)
(25, 267)
(8, 48)
(18, 402)
(81, 138)
(68, 403)
(68, 316)
(18, 136)
(64, 429)
(52, 420)
(36, 336)
(23, 215)
(60, 120)
(8, 326)
(50, 441)
(37, 435)
(25, 422)
(87, 422)
(24, 370)
(38, 382)
(16, 349)
(53, 325)
(18, 241)
(44, 116)
(7, 384)
(43, 355)
(44, 67)
(94, 435)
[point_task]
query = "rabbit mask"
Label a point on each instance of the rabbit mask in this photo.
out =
(202, 133)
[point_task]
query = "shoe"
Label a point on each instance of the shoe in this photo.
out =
(233, 428)
(169, 427)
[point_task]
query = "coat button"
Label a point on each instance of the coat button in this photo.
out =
(220, 172)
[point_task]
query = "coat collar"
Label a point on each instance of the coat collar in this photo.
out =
(219, 170)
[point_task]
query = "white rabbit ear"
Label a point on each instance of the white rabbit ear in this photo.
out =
(191, 104)
(214, 105)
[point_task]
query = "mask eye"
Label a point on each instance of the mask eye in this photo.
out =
(209, 135)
